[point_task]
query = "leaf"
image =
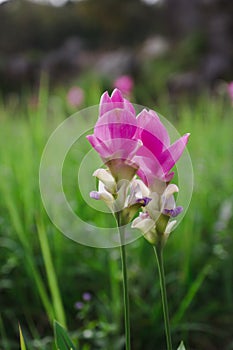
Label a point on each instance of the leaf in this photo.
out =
(62, 339)
(181, 346)
(22, 342)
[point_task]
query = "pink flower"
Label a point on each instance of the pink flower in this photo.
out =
(126, 142)
(125, 84)
(75, 96)
(156, 157)
(230, 90)
(114, 135)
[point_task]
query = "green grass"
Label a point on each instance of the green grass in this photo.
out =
(43, 274)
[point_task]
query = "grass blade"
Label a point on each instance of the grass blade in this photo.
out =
(63, 341)
(22, 342)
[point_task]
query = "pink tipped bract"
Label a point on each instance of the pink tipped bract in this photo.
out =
(115, 131)
(156, 157)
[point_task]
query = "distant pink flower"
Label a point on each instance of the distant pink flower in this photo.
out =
(87, 296)
(230, 90)
(75, 96)
(124, 83)
(156, 157)
(114, 135)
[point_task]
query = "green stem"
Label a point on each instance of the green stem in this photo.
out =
(159, 255)
(125, 283)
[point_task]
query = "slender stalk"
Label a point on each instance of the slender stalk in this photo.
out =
(159, 256)
(125, 283)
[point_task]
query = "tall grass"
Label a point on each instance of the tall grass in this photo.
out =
(43, 274)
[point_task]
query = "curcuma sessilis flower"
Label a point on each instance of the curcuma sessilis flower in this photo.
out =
(131, 145)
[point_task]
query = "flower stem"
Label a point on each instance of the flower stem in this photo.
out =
(125, 284)
(159, 256)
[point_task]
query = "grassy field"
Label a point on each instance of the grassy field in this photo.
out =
(43, 274)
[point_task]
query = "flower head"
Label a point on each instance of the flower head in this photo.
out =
(130, 145)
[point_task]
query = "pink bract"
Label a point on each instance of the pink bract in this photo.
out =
(156, 157)
(115, 133)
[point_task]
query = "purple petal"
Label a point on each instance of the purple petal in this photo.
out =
(95, 195)
(144, 201)
(173, 212)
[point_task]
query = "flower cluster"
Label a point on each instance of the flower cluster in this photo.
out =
(138, 157)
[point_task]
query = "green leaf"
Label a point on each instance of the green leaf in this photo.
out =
(62, 339)
(22, 342)
(181, 346)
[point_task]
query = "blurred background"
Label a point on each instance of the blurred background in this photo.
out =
(188, 43)
(57, 57)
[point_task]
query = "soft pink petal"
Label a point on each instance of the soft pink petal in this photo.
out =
(118, 148)
(117, 123)
(99, 146)
(173, 153)
(123, 148)
(104, 103)
(108, 103)
(116, 96)
(150, 170)
(116, 100)
(149, 123)
(129, 107)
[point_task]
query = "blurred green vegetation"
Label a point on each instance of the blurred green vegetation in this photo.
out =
(43, 273)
